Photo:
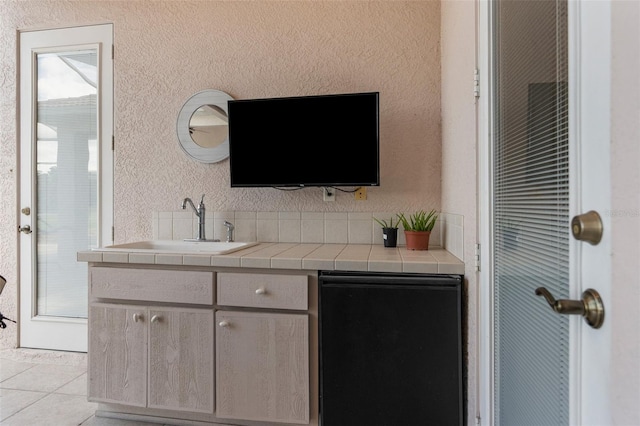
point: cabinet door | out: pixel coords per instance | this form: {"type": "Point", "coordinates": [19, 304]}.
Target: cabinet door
{"type": "Point", "coordinates": [181, 359]}
{"type": "Point", "coordinates": [117, 354]}
{"type": "Point", "coordinates": [262, 365]}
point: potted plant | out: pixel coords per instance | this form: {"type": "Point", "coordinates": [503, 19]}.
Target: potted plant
{"type": "Point", "coordinates": [389, 231]}
{"type": "Point", "coordinates": [417, 228]}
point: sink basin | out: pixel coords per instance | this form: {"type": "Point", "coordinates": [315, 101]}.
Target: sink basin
{"type": "Point", "coordinates": [179, 247]}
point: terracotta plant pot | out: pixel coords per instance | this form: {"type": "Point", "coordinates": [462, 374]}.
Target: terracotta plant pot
{"type": "Point", "coordinates": [417, 240]}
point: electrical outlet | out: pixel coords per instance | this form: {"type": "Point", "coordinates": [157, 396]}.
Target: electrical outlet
{"type": "Point", "coordinates": [361, 193]}
{"type": "Point", "coordinates": [328, 194]}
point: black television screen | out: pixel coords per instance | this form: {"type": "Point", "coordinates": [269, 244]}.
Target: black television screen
{"type": "Point", "coordinates": [324, 140]}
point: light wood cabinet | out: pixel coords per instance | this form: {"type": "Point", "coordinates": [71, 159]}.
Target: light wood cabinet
{"type": "Point", "coordinates": [117, 362]}
{"type": "Point", "coordinates": [153, 357]}
{"type": "Point", "coordinates": [181, 359]}
{"type": "Point", "coordinates": [262, 357]}
{"type": "Point", "coordinates": [262, 366]}
{"type": "Point", "coordinates": [155, 349]}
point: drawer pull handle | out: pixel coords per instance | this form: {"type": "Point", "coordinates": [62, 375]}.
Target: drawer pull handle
{"type": "Point", "coordinates": [261, 290]}
{"type": "Point", "coordinates": [137, 317]}
{"type": "Point", "coordinates": [224, 323]}
{"type": "Point", "coordinates": [156, 318]}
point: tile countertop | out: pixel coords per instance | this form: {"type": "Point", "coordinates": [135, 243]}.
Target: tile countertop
{"type": "Point", "coordinates": [338, 257]}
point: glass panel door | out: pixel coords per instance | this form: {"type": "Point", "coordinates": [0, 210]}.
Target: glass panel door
{"type": "Point", "coordinates": [530, 185]}
{"type": "Point", "coordinates": [66, 177]}
{"type": "Point", "coordinates": [66, 184]}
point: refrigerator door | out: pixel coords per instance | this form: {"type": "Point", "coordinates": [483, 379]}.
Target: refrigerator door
{"type": "Point", "coordinates": [391, 350]}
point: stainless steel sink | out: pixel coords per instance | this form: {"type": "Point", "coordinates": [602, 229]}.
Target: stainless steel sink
{"type": "Point", "coordinates": [179, 247]}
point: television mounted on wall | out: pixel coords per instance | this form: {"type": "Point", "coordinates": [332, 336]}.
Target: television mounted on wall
{"type": "Point", "coordinates": [320, 140]}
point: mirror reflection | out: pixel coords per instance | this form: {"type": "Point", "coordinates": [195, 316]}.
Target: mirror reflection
{"type": "Point", "coordinates": [203, 126]}
{"type": "Point", "coordinates": [209, 126]}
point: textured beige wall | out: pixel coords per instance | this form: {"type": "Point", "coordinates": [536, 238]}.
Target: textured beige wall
{"type": "Point", "coordinates": [262, 49]}
{"type": "Point", "coordinates": [168, 50]}
{"type": "Point", "coordinates": [625, 213]}
{"type": "Point", "coordinates": [459, 174]}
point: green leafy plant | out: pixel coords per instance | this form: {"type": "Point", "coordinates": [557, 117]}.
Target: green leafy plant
{"type": "Point", "coordinates": [419, 221]}
{"type": "Point", "coordinates": [390, 224]}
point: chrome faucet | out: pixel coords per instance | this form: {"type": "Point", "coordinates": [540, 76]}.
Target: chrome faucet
{"type": "Point", "coordinates": [230, 229]}
{"type": "Point", "coordinates": [200, 214]}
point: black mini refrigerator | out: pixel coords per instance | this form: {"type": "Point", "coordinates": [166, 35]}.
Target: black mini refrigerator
{"type": "Point", "coordinates": [391, 350]}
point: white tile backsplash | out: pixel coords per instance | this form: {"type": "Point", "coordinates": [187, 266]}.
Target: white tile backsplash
{"type": "Point", "coordinates": [246, 230]}
{"type": "Point", "coordinates": [165, 226]}
{"type": "Point", "coordinates": [312, 230]}
{"type": "Point", "coordinates": [336, 231]}
{"type": "Point", "coordinates": [304, 227]}
{"type": "Point", "coordinates": [267, 230]}
{"type": "Point", "coordinates": [289, 227]}
{"type": "Point", "coordinates": [452, 237]}
{"type": "Point", "coordinates": [360, 231]}
{"type": "Point", "coordinates": [289, 231]}
{"type": "Point", "coordinates": [184, 228]}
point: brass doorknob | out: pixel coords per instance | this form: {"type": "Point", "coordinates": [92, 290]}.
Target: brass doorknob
{"type": "Point", "coordinates": [587, 227]}
{"type": "Point", "coordinates": [590, 306]}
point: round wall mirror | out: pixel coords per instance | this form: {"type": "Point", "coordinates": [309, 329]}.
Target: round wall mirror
{"type": "Point", "coordinates": [203, 126]}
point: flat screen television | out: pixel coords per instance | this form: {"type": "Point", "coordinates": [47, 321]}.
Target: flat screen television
{"type": "Point", "coordinates": [322, 140]}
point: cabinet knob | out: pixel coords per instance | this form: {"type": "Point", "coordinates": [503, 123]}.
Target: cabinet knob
{"type": "Point", "coordinates": [261, 290]}
{"type": "Point", "coordinates": [137, 317]}
{"type": "Point", "coordinates": [224, 323]}
{"type": "Point", "coordinates": [156, 318]}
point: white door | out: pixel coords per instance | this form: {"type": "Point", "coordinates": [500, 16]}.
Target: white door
{"type": "Point", "coordinates": [590, 141]}
{"type": "Point", "coordinates": [66, 177]}
{"type": "Point", "coordinates": [546, 161]}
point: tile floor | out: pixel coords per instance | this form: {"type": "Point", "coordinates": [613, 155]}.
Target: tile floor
{"type": "Point", "coordinates": [46, 388]}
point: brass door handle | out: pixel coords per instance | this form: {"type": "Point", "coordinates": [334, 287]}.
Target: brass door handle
{"type": "Point", "coordinates": [590, 306]}
{"type": "Point", "coordinates": [25, 229]}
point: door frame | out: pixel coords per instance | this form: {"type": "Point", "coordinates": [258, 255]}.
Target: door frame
{"type": "Point", "coordinates": [589, 67]}
{"type": "Point", "coordinates": [30, 331]}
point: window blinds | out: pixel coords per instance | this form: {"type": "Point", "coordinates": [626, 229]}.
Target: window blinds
{"type": "Point", "coordinates": [530, 211]}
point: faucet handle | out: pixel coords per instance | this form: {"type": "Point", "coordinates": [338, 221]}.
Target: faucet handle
{"type": "Point", "coordinates": [202, 199]}
{"type": "Point", "coordinates": [230, 229]}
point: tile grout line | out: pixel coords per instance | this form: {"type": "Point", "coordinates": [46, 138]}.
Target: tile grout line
{"type": "Point", "coordinates": [44, 395]}
{"type": "Point", "coordinates": [16, 374]}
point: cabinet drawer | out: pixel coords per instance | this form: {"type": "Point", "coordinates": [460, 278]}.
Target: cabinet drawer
{"type": "Point", "coordinates": [263, 290]}
{"type": "Point", "coordinates": [152, 285]}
